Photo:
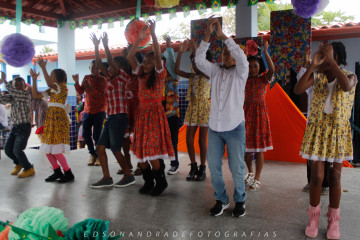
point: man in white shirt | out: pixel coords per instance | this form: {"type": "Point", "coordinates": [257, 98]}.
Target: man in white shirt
{"type": "Point", "coordinates": [227, 119]}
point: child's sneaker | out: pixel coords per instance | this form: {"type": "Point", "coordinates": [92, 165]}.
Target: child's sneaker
{"type": "Point", "coordinates": [92, 160]}
{"type": "Point", "coordinates": [104, 182]}
{"type": "Point", "coordinates": [27, 173]}
{"type": "Point", "coordinates": [125, 181]}
{"type": "Point", "coordinates": [173, 170]}
{"type": "Point", "coordinates": [219, 208]}
{"type": "Point", "coordinates": [97, 162]}
{"type": "Point", "coordinates": [239, 210]}
{"type": "Point", "coordinates": [16, 169]}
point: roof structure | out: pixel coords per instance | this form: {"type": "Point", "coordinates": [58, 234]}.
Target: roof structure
{"type": "Point", "coordinates": [321, 33]}
{"type": "Point", "coordinates": [54, 10]}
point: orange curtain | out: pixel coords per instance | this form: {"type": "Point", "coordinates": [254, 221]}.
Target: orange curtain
{"type": "Point", "coordinates": [287, 129]}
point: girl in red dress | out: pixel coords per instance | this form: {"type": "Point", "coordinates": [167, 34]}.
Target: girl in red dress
{"type": "Point", "coordinates": [257, 123]}
{"type": "Point", "coordinates": [152, 139]}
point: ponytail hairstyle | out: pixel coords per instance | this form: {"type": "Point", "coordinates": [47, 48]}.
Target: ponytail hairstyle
{"type": "Point", "coordinates": [60, 75]}
{"type": "Point", "coordinates": [339, 52]}
{"type": "Point", "coordinates": [260, 60]}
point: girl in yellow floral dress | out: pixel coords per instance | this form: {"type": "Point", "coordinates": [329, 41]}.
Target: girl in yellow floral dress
{"type": "Point", "coordinates": [56, 138]}
{"type": "Point", "coordinates": [328, 134]}
{"type": "Point", "coordinates": [197, 113]}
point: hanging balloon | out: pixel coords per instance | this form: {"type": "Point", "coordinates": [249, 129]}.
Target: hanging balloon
{"type": "Point", "coordinates": [166, 3]}
{"type": "Point", "coordinates": [132, 33]}
{"type": "Point", "coordinates": [150, 3]}
{"type": "Point", "coordinates": [17, 50]}
{"type": "Point", "coordinates": [305, 8]}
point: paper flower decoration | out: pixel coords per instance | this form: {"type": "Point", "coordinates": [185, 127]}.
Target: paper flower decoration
{"type": "Point", "coordinates": [38, 220]}
{"type": "Point", "coordinates": [322, 5]}
{"type": "Point", "coordinates": [251, 48]}
{"type": "Point", "coordinates": [132, 33]}
{"type": "Point", "coordinates": [17, 50]}
{"type": "Point", "coordinates": [305, 8]}
{"type": "Point", "coordinates": [90, 229]}
{"type": "Point", "coordinates": [166, 3]}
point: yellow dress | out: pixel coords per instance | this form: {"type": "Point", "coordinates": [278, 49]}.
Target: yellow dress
{"type": "Point", "coordinates": [56, 136]}
{"type": "Point", "coordinates": [198, 95]}
{"type": "Point", "coordinates": [328, 137]}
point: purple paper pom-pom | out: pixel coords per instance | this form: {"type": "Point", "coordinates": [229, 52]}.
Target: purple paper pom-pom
{"type": "Point", "coordinates": [17, 50]}
{"type": "Point", "coordinates": [305, 8]}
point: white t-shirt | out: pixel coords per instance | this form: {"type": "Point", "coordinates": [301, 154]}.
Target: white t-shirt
{"type": "Point", "coordinates": [3, 116]}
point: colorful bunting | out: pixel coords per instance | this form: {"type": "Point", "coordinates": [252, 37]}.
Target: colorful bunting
{"type": "Point", "coordinates": [60, 23]}
{"type": "Point", "coordinates": [158, 15]}
{"type": "Point", "coordinates": [2, 19]}
{"type": "Point", "coordinates": [13, 21]}
{"type": "Point", "coordinates": [216, 5]}
{"type": "Point", "coordinates": [172, 13]}
{"type": "Point", "coordinates": [99, 23]}
{"type": "Point", "coordinates": [270, 1]}
{"type": "Point", "coordinates": [146, 16]}
{"type": "Point", "coordinates": [201, 7]}
{"type": "Point", "coordinates": [81, 24]}
{"type": "Point", "coordinates": [132, 17]}
{"type": "Point", "coordinates": [122, 19]}
{"type": "Point", "coordinates": [40, 23]}
{"type": "Point", "coordinates": [90, 23]}
{"type": "Point", "coordinates": [186, 11]}
{"type": "Point", "coordinates": [253, 2]}
{"type": "Point", "coordinates": [110, 22]}
{"type": "Point", "coordinates": [232, 3]}
{"type": "Point", "coordinates": [72, 24]}
{"type": "Point", "coordinates": [28, 21]}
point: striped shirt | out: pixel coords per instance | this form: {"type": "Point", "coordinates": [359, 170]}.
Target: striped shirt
{"type": "Point", "coordinates": [95, 95]}
{"type": "Point", "coordinates": [20, 104]}
{"type": "Point", "coordinates": [116, 92]}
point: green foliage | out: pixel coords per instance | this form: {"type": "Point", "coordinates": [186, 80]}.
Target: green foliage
{"type": "Point", "coordinates": [46, 49]}
{"type": "Point", "coordinates": [264, 13]}
{"type": "Point", "coordinates": [327, 18]}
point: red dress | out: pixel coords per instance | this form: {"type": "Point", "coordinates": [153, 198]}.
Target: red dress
{"type": "Point", "coordinates": [152, 138]}
{"type": "Point", "coordinates": [257, 122]}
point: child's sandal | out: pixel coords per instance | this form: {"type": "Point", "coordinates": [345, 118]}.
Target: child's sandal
{"type": "Point", "coordinates": [254, 186]}
{"type": "Point", "coordinates": [249, 179]}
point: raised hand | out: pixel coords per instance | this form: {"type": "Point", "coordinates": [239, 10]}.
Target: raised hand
{"type": "Point", "coordinates": [105, 39]}
{"type": "Point", "coordinates": [211, 24]}
{"type": "Point", "coordinates": [42, 63]}
{"type": "Point", "coordinates": [318, 58]}
{"type": "Point", "coordinates": [184, 46]}
{"type": "Point", "coordinates": [167, 38]}
{"type": "Point", "coordinates": [143, 34]}
{"type": "Point", "coordinates": [328, 52]}
{"type": "Point", "coordinates": [76, 78]}
{"type": "Point", "coordinates": [94, 39]}
{"type": "Point", "coordinates": [152, 25]}
{"type": "Point", "coordinates": [307, 58]}
{"type": "Point", "coordinates": [3, 77]}
{"type": "Point", "coordinates": [34, 75]}
{"type": "Point", "coordinates": [192, 45]}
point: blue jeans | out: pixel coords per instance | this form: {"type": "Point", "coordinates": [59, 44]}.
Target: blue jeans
{"type": "Point", "coordinates": [16, 143]}
{"type": "Point", "coordinates": [113, 132]}
{"type": "Point", "coordinates": [92, 126]}
{"type": "Point", "coordinates": [235, 143]}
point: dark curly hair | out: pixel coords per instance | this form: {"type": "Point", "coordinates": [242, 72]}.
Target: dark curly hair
{"type": "Point", "coordinates": [339, 52]}
{"type": "Point", "coordinates": [260, 60]}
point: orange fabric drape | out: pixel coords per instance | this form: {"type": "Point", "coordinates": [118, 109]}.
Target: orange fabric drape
{"type": "Point", "coordinates": [287, 129]}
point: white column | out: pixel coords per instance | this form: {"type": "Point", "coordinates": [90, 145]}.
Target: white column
{"type": "Point", "coordinates": [66, 54]}
{"type": "Point", "coordinates": [246, 19]}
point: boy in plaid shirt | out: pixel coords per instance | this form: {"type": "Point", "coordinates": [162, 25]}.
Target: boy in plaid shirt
{"type": "Point", "coordinates": [20, 100]}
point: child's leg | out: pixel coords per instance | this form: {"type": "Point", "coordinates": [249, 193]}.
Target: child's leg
{"type": "Point", "coordinates": [53, 161]}
{"type": "Point", "coordinates": [158, 173]}
{"type": "Point", "coordinates": [62, 160]}
{"type": "Point", "coordinates": [122, 162]}
{"type": "Point", "coordinates": [101, 151]}
{"type": "Point", "coordinates": [335, 185]}
{"type": "Point", "coordinates": [248, 161]}
{"type": "Point", "coordinates": [325, 183]}
{"type": "Point", "coordinates": [317, 176]}
{"type": "Point", "coordinates": [202, 144]}
{"type": "Point", "coordinates": [143, 165]}
{"type": "Point", "coordinates": [155, 164]}
{"type": "Point", "coordinates": [259, 164]}
{"type": "Point", "coordinates": [126, 149]}
{"type": "Point", "coordinates": [190, 135]}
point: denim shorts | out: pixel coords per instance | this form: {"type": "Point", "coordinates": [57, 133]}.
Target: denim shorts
{"type": "Point", "coordinates": [112, 135]}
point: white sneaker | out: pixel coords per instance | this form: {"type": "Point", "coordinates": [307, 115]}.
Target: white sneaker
{"type": "Point", "coordinates": [173, 170]}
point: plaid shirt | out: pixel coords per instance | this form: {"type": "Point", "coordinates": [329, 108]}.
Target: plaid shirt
{"type": "Point", "coordinates": [39, 106]}
{"type": "Point", "coordinates": [20, 104]}
{"type": "Point", "coordinates": [116, 92]}
{"type": "Point", "coordinates": [95, 96]}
